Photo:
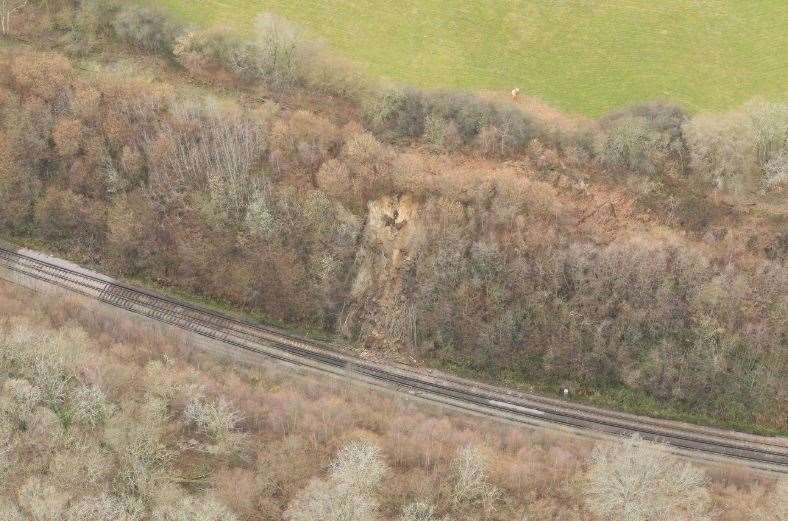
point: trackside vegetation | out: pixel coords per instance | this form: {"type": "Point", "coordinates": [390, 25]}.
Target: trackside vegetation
{"type": "Point", "coordinates": [105, 418]}
{"type": "Point", "coordinates": [638, 258]}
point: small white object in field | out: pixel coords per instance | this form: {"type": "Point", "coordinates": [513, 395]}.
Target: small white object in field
{"type": "Point", "coordinates": [566, 392]}
{"type": "Point", "coordinates": [515, 93]}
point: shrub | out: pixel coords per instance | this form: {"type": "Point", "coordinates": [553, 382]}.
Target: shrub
{"type": "Point", "coordinates": [637, 481]}
{"type": "Point", "coordinates": [213, 52]}
{"type": "Point", "coordinates": [85, 102]}
{"type": "Point", "coordinates": [105, 507]}
{"type": "Point", "coordinates": [42, 75]}
{"type": "Point", "coordinates": [443, 135]}
{"type": "Point", "coordinates": [776, 507]}
{"type": "Point", "coordinates": [335, 178]}
{"type": "Point", "coordinates": [281, 57]}
{"type": "Point", "coordinates": [472, 478]}
{"type": "Point", "coordinates": [743, 149]}
{"type": "Point", "coordinates": [95, 17]}
{"type": "Point", "coordinates": [331, 74]}
{"type": "Point", "coordinates": [500, 130]}
{"type": "Point", "coordinates": [190, 508]}
{"type": "Point", "coordinates": [152, 30]}
{"type": "Point", "coordinates": [775, 172]}
{"type": "Point", "coordinates": [645, 139]}
{"type": "Point", "coordinates": [470, 113]}
{"type": "Point", "coordinates": [627, 144]}
{"type": "Point", "coordinates": [9, 511]}
{"type": "Point", "coordinates": [363, 172]}
{"type": "Point", "coordinates": [28, 139]}
{"type": "Point", "coordinates": [347, 494]}
{"type": "Point", "coordinates": [262, 219]}
{"type": "Point", "coordinates": [133, 244]}
{"type": "Point", "coordinates": [6, 435]}
{"type": "Point", "coordinates": [359, 465]}
{"type": "Point", "coordinates": [50, 372]}
{"type": "Point", "coordinates": [770, 128]}
{"type": "Point", "coordinates": [62, 215]}
{"type": "Point", "coordinates": [219, 419]}
{"type": "Point", "coordinates": [722, 150]}
{"type": "Point", "coordinates": [303, 142]}
{"type": "Point", "coordinates": [89, 406]}
{"type": "Point", "coordinates": [396, 113]}
{"type": "Point", "coordinates": [770, 132]}
{"type": "Point", "coordinates": [281, 52]}
{"type": "Point", "coordinates": [144, 465]}
{"type": "Point", "coordinates": [19, 399]}
{"type": "Point", "coordinates": [450, 119]}
{"type": "Point", "coordinates": [67, 135]}
{"type": "Point", "coordinates": [419, 511]}
{"type": "Point", "coordinates": [85, 463]}
{"type": "Point", "coordinates": [321, 500]}
{"type": "Point", "coordinates": [19, 190]}
{"type": "Point", "coordinates": [41, 500]}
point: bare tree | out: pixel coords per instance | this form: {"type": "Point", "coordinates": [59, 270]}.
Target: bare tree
{"type": "Point", "coordinates": [8, 8]}
{"type": "Point", "coordinates": [42, 500]}
{"type": "Point", "coordinates": [359, 464]}
{"type": "Point", "coordinates": [220, 421]}
{"type": "Point", "coordinates": [218, 159]}
{"type": "Point", "coordinates": [82, 463]}
{"type": "Point", "coordinates": [105, 507]}
{"type": "Point", "coordinates": [472, 477]}
{"type": "Point", "coordinates": [46, 363]}
{"type": "Point", "coordinates": [144, 466]}
{"type": "Point", "coordinates": [281, 51]}
{"type": "Point", "coordinates": [195, 509]}
{"type": "Point", "coordinates": [89, 405]}
{"type": "Point", "coordinates": [348, 493]}
{"type": "Point", "coordinates": [420, 511]}
{"type": "Point", "coordinates": [18, 399]}
{"type": "Point", "coordinates": [9, 511]}
{"type": "Point", "coordinates": [776, 507]}
{"type": "Point", "coordinates": [329, 501]}
{"type": "Point", "coordinates": [635, 480]}
{"type": "Point", "coordinates": [722, 149]}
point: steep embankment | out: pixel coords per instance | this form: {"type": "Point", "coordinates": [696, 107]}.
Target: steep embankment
{"type": "Point", "coordinates": [635, 259]}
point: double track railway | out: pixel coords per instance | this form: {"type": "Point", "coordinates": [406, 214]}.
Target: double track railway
{"type": "Point", "coordinates": [756, 451]}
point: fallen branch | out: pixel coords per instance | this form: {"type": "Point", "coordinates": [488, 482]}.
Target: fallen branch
{"type": "Point", "coordinates": [596, 210]}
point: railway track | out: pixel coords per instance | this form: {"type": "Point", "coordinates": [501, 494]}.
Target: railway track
{"type": "Point", "coordinates": [769, 454]}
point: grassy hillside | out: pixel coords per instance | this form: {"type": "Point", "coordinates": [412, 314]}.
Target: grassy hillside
{"type": "Point", "coordinates": [588, 56]}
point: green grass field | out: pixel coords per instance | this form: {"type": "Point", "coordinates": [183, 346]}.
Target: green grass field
{"type": "Point", "coordinates": [585, 56]}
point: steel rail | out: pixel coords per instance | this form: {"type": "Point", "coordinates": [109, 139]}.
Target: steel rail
{"type": "Point", "coordinates": [764, 453]}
